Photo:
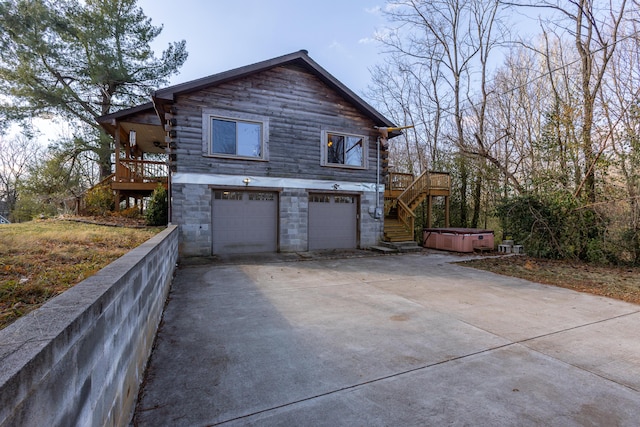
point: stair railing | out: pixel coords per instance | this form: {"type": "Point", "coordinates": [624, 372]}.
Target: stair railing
{"type": "Point", "coordinates": [105, 180]}
{"type": "Point", "coordinates": [419, 186]}
{"type": "Point", "coordinates": [406, 216]}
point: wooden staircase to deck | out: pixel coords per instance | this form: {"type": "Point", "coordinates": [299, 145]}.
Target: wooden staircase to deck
{"type": "Point", "coordinates": [403, 194]}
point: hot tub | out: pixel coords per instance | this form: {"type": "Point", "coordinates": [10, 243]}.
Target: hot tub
{"type": "Point", "coordinates": [458, 239]}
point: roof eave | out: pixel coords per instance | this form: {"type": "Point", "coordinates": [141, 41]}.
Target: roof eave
{"type": "Point", "coordinates": [166, 96]}
{"type": "Point", "coordinates": [109, 121]}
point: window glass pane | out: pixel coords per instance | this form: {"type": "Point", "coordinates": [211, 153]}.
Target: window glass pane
{"type": "Point", "coordinates": [345, 149]}
{"type": "Point", "coordinates": [228, 195]}
{"type": "Point", "coordinates": [344, 199]}
{"type": "Point", "coordinates": [318, 198]}
{"type": "Point", "coordinates": [265, 197]}
{"type": "Point", "coordinates": [335, 148]}
{"type": "Point", "coordinates": [223, 136]}
{"type": "Point", "coordinates": [353, 152]}
{"type": "Point", "coordinates": [249, 141]}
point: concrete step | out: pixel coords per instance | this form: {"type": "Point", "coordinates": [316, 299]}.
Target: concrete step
{"type": "Point", "coordinates": [384, 249]}
{"type": "Point", "coordinates": [403, 246]}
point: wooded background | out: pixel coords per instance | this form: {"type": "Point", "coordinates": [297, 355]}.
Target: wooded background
{"type": "Point", "coordinates": [537, 121]}
{"type": "Point", "coordinates": [533, 107]}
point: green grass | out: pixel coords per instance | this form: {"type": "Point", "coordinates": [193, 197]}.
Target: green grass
{"type": "Point", "coordinates": [41, 259]}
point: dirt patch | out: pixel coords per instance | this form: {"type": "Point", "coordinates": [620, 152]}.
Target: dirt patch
{"type": "Point", "coordinates": [614, 282]}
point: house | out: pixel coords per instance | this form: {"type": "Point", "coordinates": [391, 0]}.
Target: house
{"type": "Point", "coordinates": [274, 156]}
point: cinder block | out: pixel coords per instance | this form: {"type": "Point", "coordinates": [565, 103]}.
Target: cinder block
{"type": "Point", "coordinates": [504, 249]}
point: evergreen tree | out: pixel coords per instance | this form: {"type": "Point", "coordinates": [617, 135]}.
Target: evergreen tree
{"type": "Point", "coordinates": [79, 60]}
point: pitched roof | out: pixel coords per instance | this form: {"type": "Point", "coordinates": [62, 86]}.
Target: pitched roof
{"type": "Point", "coordinates": [164, 97]}
{"type": "Point", "coordinates": [123, 114]}
{"type": "Point", "coordinates": [301, 58]}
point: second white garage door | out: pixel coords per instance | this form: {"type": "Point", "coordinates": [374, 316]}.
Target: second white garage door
{"type": "Point", "coordinates": [244, 222]}
{"type": "Point", "coordinates": [333, 221]}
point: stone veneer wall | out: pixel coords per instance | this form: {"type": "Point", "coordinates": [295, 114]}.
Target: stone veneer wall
{"type": "Point", "coordinates": [191, 210]}
{"type": "Point", "coordinates": [371, 229]}
{"type": "Point", "coordinates": [294, 220]}
{"type": "Point", "coordinates": [79, 359]}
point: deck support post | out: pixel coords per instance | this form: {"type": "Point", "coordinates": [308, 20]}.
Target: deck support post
{"type": "Point", "coordinates": [429, 217]}
{"type": "Point", "coordinates": [446, 211]}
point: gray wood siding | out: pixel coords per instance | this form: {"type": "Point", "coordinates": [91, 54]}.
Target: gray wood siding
{"type": "Point", "coordinates": [299, 106]}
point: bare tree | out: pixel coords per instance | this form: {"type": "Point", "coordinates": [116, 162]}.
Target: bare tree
{"type": "Point", "coordinates": [16, 157]}
{"type": "Point", "coordinates": [408, 94]}
{"type": "Point", "coordinates": [594, 27]}
{"type": "Point", "coordinates": [457, 36]}
{"type": "Point", "coordinates": [620, 102]}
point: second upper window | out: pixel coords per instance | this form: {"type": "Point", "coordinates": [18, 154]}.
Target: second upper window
{"type": "Point", "coordinates": [344, 150]}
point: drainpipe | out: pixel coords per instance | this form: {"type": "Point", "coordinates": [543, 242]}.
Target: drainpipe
{"type": "Point", "coordinates": [377, 214]}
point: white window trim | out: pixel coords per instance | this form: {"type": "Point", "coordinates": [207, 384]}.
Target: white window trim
{"type": "Point", "coordinates": [208, 114]}
{"type": "Point", "coordinates": [323, 150]}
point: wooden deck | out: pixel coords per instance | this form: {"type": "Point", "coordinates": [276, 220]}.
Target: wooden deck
{"type": "Point", "coordinates": [439, 183]}
{"type": "Point", "coordinates": [137, 179]}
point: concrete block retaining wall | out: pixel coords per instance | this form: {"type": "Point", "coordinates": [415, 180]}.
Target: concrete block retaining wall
{"type": "Point", "coordinates": [79, 359]}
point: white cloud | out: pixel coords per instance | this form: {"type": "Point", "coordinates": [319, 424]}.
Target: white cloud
{"type": "Point", "coordinates": [375, 10]}
{"type": "Point", "coordinates": [390, 7]}
{"type": "Point", "coordinates": [336, 45]}
{"type": "Point", "coordinates": [366, 40]}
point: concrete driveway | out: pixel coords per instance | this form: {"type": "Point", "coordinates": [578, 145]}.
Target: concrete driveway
{"type": "Point", "coordinates": [408, 340]}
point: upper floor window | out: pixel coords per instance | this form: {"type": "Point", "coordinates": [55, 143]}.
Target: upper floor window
{"type": "Point", "coordinates": [236, 138]}
{"type": "Point", "coordinates": [344, 150]}
{"type": "Point", "coordinates": [243, 137]}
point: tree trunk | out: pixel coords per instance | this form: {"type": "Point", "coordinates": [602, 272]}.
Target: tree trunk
{"type": "Point", "coordinates": [477, 193]}
{"type": "Point", "coordinates": [464, 178]}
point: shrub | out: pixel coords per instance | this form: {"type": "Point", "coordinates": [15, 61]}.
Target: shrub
{"type": "Point", "coordinates": [158, 210]}
{"type": "Point", "coordinates": [555, 226]}
{"type": "Point", "coordinates": [99, 200]}
{"type": "Point", "coordinates": [132, 212]}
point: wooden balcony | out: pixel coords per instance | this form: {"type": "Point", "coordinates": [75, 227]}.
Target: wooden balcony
{"type": "Point", "coordinates": [136, 179]}
{"type": "Point", "coordinates": [139, 176]}
{"type": "Point", "coordinates": [439, 183]}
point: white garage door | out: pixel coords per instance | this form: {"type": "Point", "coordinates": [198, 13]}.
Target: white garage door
{"type": "Point", "coordinates": [333, 221]}
{"type": "Point", "coordinates": [244, 222]}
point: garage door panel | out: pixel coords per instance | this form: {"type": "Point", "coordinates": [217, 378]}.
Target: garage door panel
{"type": "Point", "coordinates": [333, 221]}
{"type": "Point", "coordinates": [244, 222]}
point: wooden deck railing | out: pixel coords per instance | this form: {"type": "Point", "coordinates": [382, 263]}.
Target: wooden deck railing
{"type": "Point", "coordinates": [401, 181]}
{"type": "Point", "coordinates": [439, 181]}
{"type": "Point", "coordinates": [398, 181]}
{"type": "Point", "coordinates": [419, 186]}
{"type": "Point", "coordinates": [141, 171]}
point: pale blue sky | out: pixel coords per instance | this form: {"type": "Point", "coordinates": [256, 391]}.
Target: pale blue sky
{"type": "Point", "coordinates": [225, 34]}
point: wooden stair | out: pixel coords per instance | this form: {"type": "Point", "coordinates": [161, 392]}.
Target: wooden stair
{"type": "Point", "coordinates": [403, 194]}
{"type": "Point", "coordinates": [395, 231]}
